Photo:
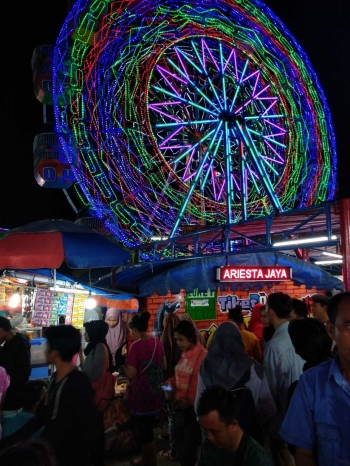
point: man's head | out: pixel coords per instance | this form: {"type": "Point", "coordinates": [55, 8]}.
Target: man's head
{"type": "Point", "coordinates": [338, 326]}
{"type": "Point", "coordinates": [319, 303]}
{"type": "Point", "coordinates": [5, 329]}
{"type": "Point", "coordinates": [279, 306]}
{"type": "Point", "coordinates": [217, 413]}
{"type": "Point", "coordinates": [310, 340]}
{"type": "Point", "coordinates": [63, 342]}
{"type": "Point", "coordinates": [299, 310]}
{"type": "Point", "coordinates": [236, 315]}
{"type": "Point", "coordinates": [31, 394]}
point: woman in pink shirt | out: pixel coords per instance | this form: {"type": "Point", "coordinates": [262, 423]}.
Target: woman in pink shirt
{"type": "Point", "coordinates": [185, 438]}
{"type": "Point", "coordinates": [144, 369]}
{"type": "Point", "coordinates": [4, 385]}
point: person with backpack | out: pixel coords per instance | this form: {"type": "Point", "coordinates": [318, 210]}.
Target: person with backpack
{"type": "Point", "coordinates": [228, 365]}
{"type": "Point", "coordinates": [98, 363]}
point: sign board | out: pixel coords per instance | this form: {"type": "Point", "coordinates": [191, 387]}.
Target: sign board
{"type": "Point", "coordinates": [201, 305]}
{"type": "Point", "coordinates": [2, 295]}
{"type": "Point", "coordinates": [253, 274]}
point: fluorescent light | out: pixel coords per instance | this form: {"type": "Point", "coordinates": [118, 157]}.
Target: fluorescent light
{"type": "Point", "coordinates": [159, 238]}
{"type": "Point", "coordinates": [69, 290]}
{"type": "Point", "coordinates": [314, 239]}
{"type": "Point", "coordinates": [334, 261]}
{"type": "Point", "coordinates": [331, 254]}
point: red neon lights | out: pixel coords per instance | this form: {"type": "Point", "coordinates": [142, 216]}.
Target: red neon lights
{"type": "Point", "coordinates": [252, 274]}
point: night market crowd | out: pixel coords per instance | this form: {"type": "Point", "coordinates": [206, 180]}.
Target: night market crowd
{"type": "Point", "coordinates": [275, 392]}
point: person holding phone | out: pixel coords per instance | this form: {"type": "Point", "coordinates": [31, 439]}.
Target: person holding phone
{"type": "Point", "coordinates": [144, 369]}
{"type": "Point", "coordinates": [184, 430]}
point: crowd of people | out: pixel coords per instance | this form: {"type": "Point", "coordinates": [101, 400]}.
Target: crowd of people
{"type": "Point", "coordinates": [276, 392]}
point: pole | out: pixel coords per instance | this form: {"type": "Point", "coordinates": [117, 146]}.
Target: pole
{"type": "Point", "coordinates": [344, 205]}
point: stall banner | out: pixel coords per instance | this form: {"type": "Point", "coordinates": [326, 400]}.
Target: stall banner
{"type": "Point", "coordinates": [2, 295]}
{"type": "Point", "coordinates": [78, 311]}
{"type": "Point", "coordinates": [49, 305]}
{"type": "Point", "coordinates": [201, 306]}
{"type": "Point", "coordinates": [254, 273]}
{"type": "Point", "coordinates": [230, 302]}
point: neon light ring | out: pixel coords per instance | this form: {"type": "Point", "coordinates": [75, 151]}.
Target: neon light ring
{"type": "Point", "coordinates": [193, 112]}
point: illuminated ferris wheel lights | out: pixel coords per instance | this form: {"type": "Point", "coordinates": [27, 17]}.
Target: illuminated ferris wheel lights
{"type": "Point", "coordinates": [167, 95]}
{"type": "Point", "coordinates": [191, 62]}
{"type": "Point", "coordinates": [163, 71]}
{"type": "Point", "coordinates": [190, 81]}
{"type": "Point", "coordinates": [186, 123]}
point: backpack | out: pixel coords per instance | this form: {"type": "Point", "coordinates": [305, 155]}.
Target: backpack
{"type": "Point", "coordinates": [104, 386]}
{"type": "Point", "coordinates": [247, 415]}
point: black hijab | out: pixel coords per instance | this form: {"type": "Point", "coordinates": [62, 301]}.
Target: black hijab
{"type": "Point", "coordinates": [97, 331]}
{"type": "Point", "coordinates": [226, 361]}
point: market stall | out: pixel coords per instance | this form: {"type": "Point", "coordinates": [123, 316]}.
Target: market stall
{"type": "Point", "coordinates": [42, 303]}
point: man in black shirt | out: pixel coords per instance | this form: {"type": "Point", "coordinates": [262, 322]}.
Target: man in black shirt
{"type": "Point", "coordinates": [15, 358]}
{"type": "Point", "coordinates": [72, 425]}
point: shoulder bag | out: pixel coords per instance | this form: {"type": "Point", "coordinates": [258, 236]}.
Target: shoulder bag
{"type": "Point", "coordinates": [127, 391]}
{"type": "Point", "coordinates": [104, 386]}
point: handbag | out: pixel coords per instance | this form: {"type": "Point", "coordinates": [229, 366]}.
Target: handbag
{"type": "Point", "coordinates": [104, 386]}
{"type": "Point", "coordinates": [127, 390]}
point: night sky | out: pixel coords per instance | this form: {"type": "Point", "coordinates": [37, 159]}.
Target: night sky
{"type": "Point", "coordinates": [321, 28]}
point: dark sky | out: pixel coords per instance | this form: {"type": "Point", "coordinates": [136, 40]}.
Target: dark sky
{"type": "Point", "coordinates": [322, 28]}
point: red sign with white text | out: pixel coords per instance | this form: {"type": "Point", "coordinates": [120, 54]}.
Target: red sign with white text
{"type": "Point", "coordinates": [253, 274]}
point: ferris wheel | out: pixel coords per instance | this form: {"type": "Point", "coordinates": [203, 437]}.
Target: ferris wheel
{"type": "Point", "coordinates": [189, 113]}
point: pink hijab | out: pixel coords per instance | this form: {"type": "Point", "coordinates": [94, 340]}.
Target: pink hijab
{"type": "Point", "coordinates": [116, 336]}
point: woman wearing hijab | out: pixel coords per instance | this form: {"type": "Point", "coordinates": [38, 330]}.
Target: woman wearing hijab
{"type": "Point", "coordinates": [171, 350]}
{"type": "Point", "coordinates": [228, 365]}
{"type": "Point", "coordinates": [4, 385]}
{"type": "Point", "coordinates": [255, 325]}
{"type": "Point", "coordinates": [98, 362]}
{"type": "Point", "coordinates": [200, 338]}
{"type": "Point", "coordinates": [116, 337]}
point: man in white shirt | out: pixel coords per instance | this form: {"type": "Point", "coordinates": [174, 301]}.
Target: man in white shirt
{"type": "Point", "coordinates": [318, 304]}
{"type": "Point", "coordinates": [282, 367]}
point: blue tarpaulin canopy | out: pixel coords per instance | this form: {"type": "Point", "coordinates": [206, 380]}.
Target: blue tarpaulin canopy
{"type": "Point", "coordinates": [52, 243]}
{"type": "Point", "coordinates": [200, 273]}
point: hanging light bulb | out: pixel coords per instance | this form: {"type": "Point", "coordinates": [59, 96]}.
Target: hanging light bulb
{"type": "Point", "coordinates": [15, 299]}
{"type": "Point", "coordinates": [90, 302]}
